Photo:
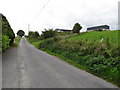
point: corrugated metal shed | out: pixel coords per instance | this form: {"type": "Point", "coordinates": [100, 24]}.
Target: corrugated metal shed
{"type": "Point", "coordinates": [99, 27]}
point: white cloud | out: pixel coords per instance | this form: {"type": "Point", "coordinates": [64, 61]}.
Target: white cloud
{"type": "Point", "coordinates": [59, 13]}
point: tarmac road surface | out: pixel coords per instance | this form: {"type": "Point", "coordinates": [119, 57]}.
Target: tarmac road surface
{"type": "Point", "coordinates": [27, 67]}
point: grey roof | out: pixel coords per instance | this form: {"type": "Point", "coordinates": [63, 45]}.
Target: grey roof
{"type": "Point", "coordinates": [98, 27]}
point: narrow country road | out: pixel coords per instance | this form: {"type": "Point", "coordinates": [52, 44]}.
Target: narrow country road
{"type": "Point", "coordinates": [27, 67]}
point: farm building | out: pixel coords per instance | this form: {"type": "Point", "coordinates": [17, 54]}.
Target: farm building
{"type": "Point", "coordinates": [63, 30]}
{"type": "Point", "coordinates": [102, 27]}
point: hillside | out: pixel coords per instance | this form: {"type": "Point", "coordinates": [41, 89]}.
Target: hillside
{"type": "Point", "coordinates": [97, 36]}
{"type": "Point", "coordinates": [95, 52]}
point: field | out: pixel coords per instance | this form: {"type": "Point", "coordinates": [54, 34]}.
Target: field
{"type": "Point", "coordinates": [97, 36]}
{"type": "Point", "coordinates": [95, 52]}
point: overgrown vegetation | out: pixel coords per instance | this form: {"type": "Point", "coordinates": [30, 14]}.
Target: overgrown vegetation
{"type": "Point", "coordinates": [95, 52]}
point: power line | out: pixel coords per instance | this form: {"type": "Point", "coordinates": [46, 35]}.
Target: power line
{"type": "Point", "coordinates": [42, 9]}
{"type": "Point", "coordinates": [38, 14]}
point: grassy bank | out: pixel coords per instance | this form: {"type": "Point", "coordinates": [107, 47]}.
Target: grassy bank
{"type": "Point", "coordinates": [16, 41]}
{"type": "Point", "coordinates": [95, 52]}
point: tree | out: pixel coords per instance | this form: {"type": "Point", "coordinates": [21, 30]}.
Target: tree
{"type": "Point", "coordinates": [36, 34]}
{"type": "Point", "coordinates": [77, 27]}
{"type": "Point", "coordinates": [20, 33]}
{"type": "Point", "coordinates": [32, 34]}
{"type": "Point", "coordinates": [48, 33]}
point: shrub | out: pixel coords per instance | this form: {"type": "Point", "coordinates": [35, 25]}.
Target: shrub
{"type": "Point", "coordinates": [5, 42]}
{"type": "Point", "coordinates": [48, 33]}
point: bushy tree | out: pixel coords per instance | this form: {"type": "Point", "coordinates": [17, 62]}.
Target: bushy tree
{"type": "Point", "coordinates": [48, 33]}
{"type": "Point", "coordinates": [20, 33]}
{"type": "Point", "coordinates": [77, 27]}
{"type": "Point", "coordinates": [32, 34]}
{"type": "Point", "coordinates": [36, 34]}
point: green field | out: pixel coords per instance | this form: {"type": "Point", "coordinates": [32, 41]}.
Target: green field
{"type": "Point", "coordinates": [97, 36]}
{"type": "Point", "coordinates": [95, 52]}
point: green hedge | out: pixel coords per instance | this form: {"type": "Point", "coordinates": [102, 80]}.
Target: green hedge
{"type": "Point", "coordinates": [5, 42]}
{"type": "Point", "coordinates": [7, 30]}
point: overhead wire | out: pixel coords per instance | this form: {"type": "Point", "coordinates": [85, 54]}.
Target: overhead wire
{"type": "Point", "coordinates": [41, 10]}
{"type": "Point", "coordinates": [38, 14]}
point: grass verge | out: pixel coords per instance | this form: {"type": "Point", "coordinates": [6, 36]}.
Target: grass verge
{"type": "Point", "coordinates": [16, 41]}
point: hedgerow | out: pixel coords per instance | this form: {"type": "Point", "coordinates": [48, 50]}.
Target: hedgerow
{"type": "Point", "coordinates": [8, 35]}
{"type": "Point", "coordinates": [7, 30]}
{"type": "Point", "coordinates": [5, 42]}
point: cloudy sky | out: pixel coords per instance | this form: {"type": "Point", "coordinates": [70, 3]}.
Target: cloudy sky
{"type": "Point", "coordinates": [63, 14]}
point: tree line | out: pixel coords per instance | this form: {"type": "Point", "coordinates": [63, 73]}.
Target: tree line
{"type": "Point", "coordinates": [51, 33]}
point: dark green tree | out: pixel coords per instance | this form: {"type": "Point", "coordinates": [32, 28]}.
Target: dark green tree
{"type": "Point", "coordinates": [33, 35]}
{"type": "Point", "coordinates": [77, 27]}
{"type": "Point", "coordinates": [36, 34]}
{"type": "Point", "coordinates": [20, 33]}
{"type": "Point", "coordinates": [48, 33]}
